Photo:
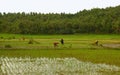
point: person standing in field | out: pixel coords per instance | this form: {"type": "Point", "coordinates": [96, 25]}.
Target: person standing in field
{"type": "Point", "coordinates": [62, 41]}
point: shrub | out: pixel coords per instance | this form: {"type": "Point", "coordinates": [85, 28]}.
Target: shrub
{"type": "Point", "coordinates": [23, 38]}
{"type": "Point", "coordinates": [1, 37]}
{"type": "Point", "coordinates": [31, 41]}
{"type": "Point", "coordinates": [13, 37]}
{"type": "Point", "coordinates": [8, 46]}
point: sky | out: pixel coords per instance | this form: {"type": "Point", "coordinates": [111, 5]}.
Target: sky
{"type": "Point", "coordinates": [54, 6]}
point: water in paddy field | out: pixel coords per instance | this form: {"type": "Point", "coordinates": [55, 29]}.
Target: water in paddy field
{"type": "Point", "coordinates": [53, 66]}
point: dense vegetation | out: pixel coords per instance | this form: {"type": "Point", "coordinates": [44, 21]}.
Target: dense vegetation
{"type": "Point", "coordinates": [87, 21]}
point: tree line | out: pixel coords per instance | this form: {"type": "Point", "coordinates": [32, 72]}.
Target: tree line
{"type": "Point", "coordinates": [95, 21]}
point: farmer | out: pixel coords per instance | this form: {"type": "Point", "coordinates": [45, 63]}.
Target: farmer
{"type": "Point", "coordinates": [62, 41]}
{"type": "Point", "coordinates": [55, 44]}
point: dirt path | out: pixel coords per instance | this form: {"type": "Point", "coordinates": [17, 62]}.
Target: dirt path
{"type": "Point", "coordinates": [111, 45]}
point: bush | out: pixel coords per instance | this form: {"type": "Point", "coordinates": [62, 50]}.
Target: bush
{"type": "Point", "coordinates": [31, 41]}
{"type": "Point", "coordinates": [23, 38]}
{"type": "Point", "coordinates": [13, 37]}
{"type": "Point", "coordinates": [8, 46]}
{"type": "Point", "coordinates": [1, 37]}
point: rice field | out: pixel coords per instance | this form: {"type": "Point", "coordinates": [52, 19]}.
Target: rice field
{"type": "Point", "coordinates": [53, 66]}
{"type": "Point", "coordinates": [78, 56]}
{"type": "Point", "coordinates": [46, 42]}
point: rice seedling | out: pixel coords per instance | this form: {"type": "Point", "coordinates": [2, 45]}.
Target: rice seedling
{"type": "Point", "coordinates": [52, 66]}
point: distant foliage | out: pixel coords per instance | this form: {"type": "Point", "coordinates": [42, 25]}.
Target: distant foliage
{"type": "Point", "coordinates": [87, 21]}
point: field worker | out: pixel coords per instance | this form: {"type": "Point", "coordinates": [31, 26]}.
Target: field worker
{"type": "Point", "coordinates": [55, 44]}
{"type": "Point", "coordinates": [62, 41]}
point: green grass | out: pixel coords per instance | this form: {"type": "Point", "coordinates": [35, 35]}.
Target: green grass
{"type": "Point", "coordinates": [78, 46]}
{"type": "Point", "coordinates": [76, 36]}
{"type": "Point", "coordinates": [96, 56]}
